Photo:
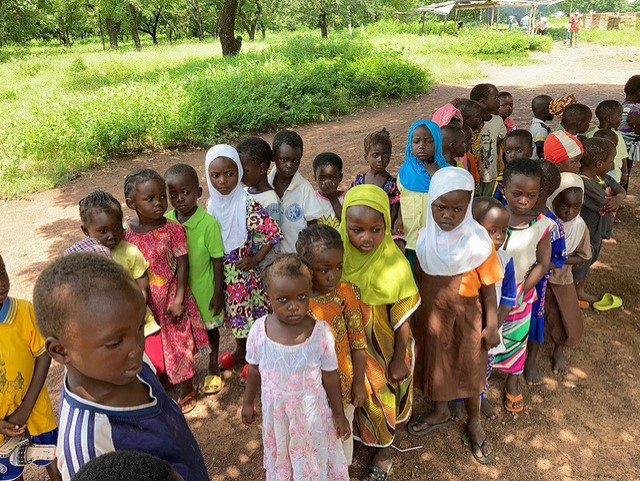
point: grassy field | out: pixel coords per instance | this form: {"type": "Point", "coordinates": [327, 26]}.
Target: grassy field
{"type": "Point", "coordinates": [66, 110]}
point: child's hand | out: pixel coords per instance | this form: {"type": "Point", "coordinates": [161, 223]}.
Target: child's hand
{"type": "Point", "coordinates": [247, 263]}
{"type": "Point", "coordinates": [613, 203]}
{"type": "Point", "coordinates": [358, 394]}
{"type": "Point", "coordinates": [217, 303]}
{"type": "Point", "coordinates": [175, 310]}
{"type": "Point", "coordinates": [10, 429]}
{"type": "Point", "coordinates": [342, 426]}
{"type": "Point", "coordinates": [248, 414]}
{"type": "Point", "coordinates": [330, 189]}
{"type": "Point", "coordinates": [398, 370]}
{"type": "Point", "coordinates": [398, 227]}
{"type": "Point", "coordinates": [490, 338]}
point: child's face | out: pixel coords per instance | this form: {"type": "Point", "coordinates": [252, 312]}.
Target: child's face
{"type": "Point", "coordinates": [326, 266]}
{"type": "Point", "coordinates": [223, 173]}
{"type": "Point", "coordinates": [104, 339]}
{"type": "Point", "coordinates": [567, 204]}
{"type": "Point", "coordinates": [149, 199]}
{"type": "Point", "coordinates": [516, 148]}
{"type": "Point", "coordinates": [448, 210]}
{"type": "Point", "coordinates": [422, 146]}
{"type": "Point", "coordinates": [106, 227]}
{"type": "Point", "coordinates": [287, 160]}
{"type": "Point", "coordinates": [496, 222]}
{"type": "Point", "coordinates": [378, 157]}
{"type": "Point", "coordinates": [183, 193]}
{"type": "Point", "coordinates": [365, 228]}
{"type": "Point", "coordinates": [328, 178]}
{"type": "Point", "coordinates": [583, 124]}
{"type": "Point", "coordinates": [615, 120]}
{"type": "Point", "coordinates": [606, 165]}
{"type": "Point", "coordinates": [289, 298]}
{"type": "Point", "coordinates": [506, 107]}
{"type": "Point", "coordinates": [572, 165]}
{"type": "Point", "coordinates": [5, 284]}
{"type": "Point", "coordinates": [475, 121]}
{"type": "Point", "coordinates": [492, 102]}
{"type": "Point", "coordinates": [454, 144]}
{"type": "Point", "coordinates": [634, 122]}
{"type": "Point", "coordinates": [522, 192]}
{"type": "Point", "coordinates": [253, 172]}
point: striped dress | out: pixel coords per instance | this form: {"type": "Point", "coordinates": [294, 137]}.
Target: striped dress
{"type": "Point", "coordinates": [521, 243]}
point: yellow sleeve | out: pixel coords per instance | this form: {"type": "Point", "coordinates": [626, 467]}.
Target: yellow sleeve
{"type": "Point", "coordinates": [138, 265]}
{"type": "Point", "coordinates": [30, 330]}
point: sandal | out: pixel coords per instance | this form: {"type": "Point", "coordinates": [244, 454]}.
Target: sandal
{"type": "Point", "coordinates": [375, 473]}
{"type": "Point", "coordinates": [484, 459]}
{"type": "Point", "coordinates": [188, 402]}
{"type": "Point", "coordinates": [608, 301]}
{"type": "Point", "coordinates": [510, 401]}
{"type": "Point", "coordinates": [212, 384]}
{"type": "Point", "coordinates": [243, 376]}
{"type": "Point", "coordinates": [226, 360]}
{"type": "Point", "coordinates": [411, 427]}
{"type": "Point", "coordinates": [584, 304]}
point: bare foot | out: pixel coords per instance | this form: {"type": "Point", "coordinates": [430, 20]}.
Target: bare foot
{"type": "Point", "coordinates": [532, 373]}
{"type": "Point", "coordinates": [583, 296]}
{"type": "Point", "coordinates": [560, 365]}
{"type": "Point", "coordinates": [455, 408]}
{"type": "Point", "coordinates": [489, 409]}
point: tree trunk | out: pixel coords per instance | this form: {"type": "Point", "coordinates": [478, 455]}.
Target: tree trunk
{"type": "Point", "coordinates": [323, 24]}
{"type": "Point", "coordinates": [104, 47]}
{"type": "Point", "coordinates": [226, 28]}
{"type": "Point", "coordinates": [263, 30]}
{"type": "Point", "coordinates": [134, 27]}
{"type": "Point", "coordinates": [112, 28]}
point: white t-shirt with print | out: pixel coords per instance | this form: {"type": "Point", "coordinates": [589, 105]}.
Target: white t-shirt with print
{"type": "Point", "coordinates": [493, 130]}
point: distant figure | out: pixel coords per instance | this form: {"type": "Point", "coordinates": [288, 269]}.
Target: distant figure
{"type": "Point", "coordinates": [574, 27]}
{"type": "Point", "coordinates": [512, 21]}
{"type": "Point", "coordinates": [524, 23]}
{"type": "Point", "coordinates": [543, 24]}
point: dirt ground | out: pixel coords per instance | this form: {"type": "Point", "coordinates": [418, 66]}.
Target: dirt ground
{"type": "Point", "coordinates": [580, 426]}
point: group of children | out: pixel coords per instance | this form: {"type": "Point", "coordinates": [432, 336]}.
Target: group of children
{"type": "Point", "coordinates": [459, 266]}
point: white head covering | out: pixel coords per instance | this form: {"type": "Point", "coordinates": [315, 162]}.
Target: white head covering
{"type": "Point", "coordinates": [229, 210]}
{"type": "Point", "coordinates": [460, 250]}
{"type": "Point", "coordinates": [575, 228]}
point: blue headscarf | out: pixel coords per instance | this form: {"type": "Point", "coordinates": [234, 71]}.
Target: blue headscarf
{"type": "Point", "coordinates": [412, 173]}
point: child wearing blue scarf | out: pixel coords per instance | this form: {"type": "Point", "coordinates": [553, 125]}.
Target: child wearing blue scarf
{"type": "Point", "coordinates": [423, 157]}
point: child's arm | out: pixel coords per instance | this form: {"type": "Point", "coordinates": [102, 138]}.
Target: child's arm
{"type": "Point", "coordinates": [176, 309]}
{"type": "Point", "coordinates": [19, 416]}
{"type": "Point", "coordinates": [249, 262]}
{"type": "Point", "coordinates": [143, 284]}
{"type": "Point", "coordinates": [217, 301]}
{"type": "Point", "coordinates": [395, 214]}
{"type": "Point", "coordinates": [490, 335]}
{"type": "Point", "coordinates": [250, 391]}
{"type": "Point", "coordinates": [359, 391]}
{"type": "Point", "coordinates": [397, 368]}
{"type": "Point", "coordinates": [503, 312]}
{"type": "Point", "coordinates": [615, 202]}
{"type": "Point", "coordinates": [331, 384]}
{"type": "Point", "coordinates": [543, 256]}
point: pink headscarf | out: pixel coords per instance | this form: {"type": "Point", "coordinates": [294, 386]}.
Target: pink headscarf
{"type": "Point", "coordinates": [444, 114]}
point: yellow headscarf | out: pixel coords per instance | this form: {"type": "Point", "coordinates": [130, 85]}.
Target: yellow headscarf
{"type": "Point", "coordinates": [384, 275]}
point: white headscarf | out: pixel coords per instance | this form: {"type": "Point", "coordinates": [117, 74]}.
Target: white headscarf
{"type": "Point", "coordinates": [460, 250]}
{"type": "Point", "coordinates": [575, 228]}
{"type": "Point", "coordinates": [229, 210]}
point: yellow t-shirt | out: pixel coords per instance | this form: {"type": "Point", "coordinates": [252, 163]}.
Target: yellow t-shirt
{"type": "Point", "coordinates": [413, 207]}
{"type": "Point", "coordinates": [20, 344]}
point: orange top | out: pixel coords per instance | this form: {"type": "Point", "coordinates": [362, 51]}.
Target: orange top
{"type": "Point", "coordinates": [489, 272]}
{"type": "Point", "coordinates": [343, 310]}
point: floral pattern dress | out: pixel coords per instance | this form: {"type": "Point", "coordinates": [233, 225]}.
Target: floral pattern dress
{"type": "Point", "coordinates": [245, 296]}
{"type": "Point", "coordinates": [299, 438]}
{"type": "Point", "coordinates": [180, 340]}
{"type": "Point", "coordinates": [390, 186]}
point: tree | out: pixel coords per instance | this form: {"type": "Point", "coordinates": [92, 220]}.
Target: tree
{"type": "Point", "coordinates": [226, 28]}
{"type": "Point", "coordinates": [18, 20]}
{"type": "Point", "coordinates": [149, 22]}
{"type": "Point", "coordinates": [249, 14]}
{"type": "Point", "coordinates": [133, 12]}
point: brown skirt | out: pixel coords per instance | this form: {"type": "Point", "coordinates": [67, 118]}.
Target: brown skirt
{"type": "Point", "coordinates": [563, 322]}
{"type": "Point", "coordinates": [451, 361]}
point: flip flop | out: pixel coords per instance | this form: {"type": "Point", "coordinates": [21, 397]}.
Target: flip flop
{"type": "Point", "coordinates": [243, 376]}
{"type": "Point", "coordinates": [375, 473]}
{"type": "Point", "coordinates": [513, 399]}
{"type": "Point", "coordinates": [188, 402]}
{"type": "Point", "coordinates": [411, 427]}
{"type": "Point", "coordinates": [226, 360]}
{"type": "Point", "coordinates": [466, 439]}
{"type": "Point", "coordinates": [584, 304]}
{"type": "Point", "coordinates": [608, 302]}
{"type": "Point", "coordinates": [212, 384]}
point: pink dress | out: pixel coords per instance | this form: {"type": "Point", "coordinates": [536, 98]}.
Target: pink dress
{"type": "Point", "coordinates": [299, 438]}
{"type": "Point", "coordinates": [180, 340]}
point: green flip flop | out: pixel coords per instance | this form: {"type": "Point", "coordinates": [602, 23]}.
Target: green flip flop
{"type": "Point", "coordinates": [608, 302]}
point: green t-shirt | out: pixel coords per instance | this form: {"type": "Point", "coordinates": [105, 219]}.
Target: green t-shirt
{"type": "Point", "coordinates": [205, 243]}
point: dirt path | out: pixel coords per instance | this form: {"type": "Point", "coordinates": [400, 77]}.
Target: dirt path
{"type": "Point", "coordinates": [582, 426]}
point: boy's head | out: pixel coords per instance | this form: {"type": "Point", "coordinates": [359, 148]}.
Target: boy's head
{"type": "Point", "coordinates": [101, 218]}
{"type": "Point", "coordinates": [327, 170]}
{"type": "Point", "coordinates": [540, 107]}
{"type": "Point", "coordinates": [468, 137]}
{"type": "Point", "coordinates": [453, 141]}
{"type": "Point", "coordinates": [91, 313]}
{"type": "Point", "coordinates": [184, 188]}
{"type": "Point", "coordinates": [493, 216]}
{"type": "Point", "coordinates": [521, 185]}
{"type": "Point", "coordinates": [506, 104]}
{"type": "Point", "coordinates": [598, 156]}
{"type": "Point", "coordinates": [518, 144]}
{"type": "Point", "coordinates": [5, 283]}
{"type": "Point", "coordinates": [632, 89]}
{"type": "Point", "coordinates": [256, 156]}
{"type": "Point", "coordinates": [550, 178]}
{"type": "Point", "coordinates": [487, 96]}
{"type": "Point", "coordinates": [564, 150]}
{"type": "Point", "coordinates": [471, 113]}
{"type": "Point", "coordinates": [287, 152]}
{"type": "Point", "coordinates": [607, 134]}
{"type": "Point", "coordinates": [576, 118]}
{"type": "Point", "coordinates": [609, 113]}
{"type": "Point", "coordinates": [127, 466]}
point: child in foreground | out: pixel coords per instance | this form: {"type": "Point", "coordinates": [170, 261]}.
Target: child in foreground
{"type": "Point", "coordinates": [564, 150]}
{"type": "Point", "coordinates": [92, 313]}
{"type": "Point", "coordinates": [127, 466]}
{"type": "Point", "coordinates": [517, 144]}
{"type": "Point", "coordinates": [563, 317]}
{"type": "Point", "coordinates": [339, 304]}
{"type": "Point", "coordinates": [576, 119]}
{"type": "Point", "coordinates": [453, 145]}
{"type": "Point", "coordinates": [206, 278]}
{"type": "Point", "coordinates": [25, 408]}
{"type": "Point", "coordinates": [327, 171]}
{"type": "Point", "coordinates": [164, 244]}
{"type": "Point", "coordinates": [374, 264]}
{"type": "Point", "coordinates": [292, 359]}
{"type": "Point", "coordinates": [457, 270]}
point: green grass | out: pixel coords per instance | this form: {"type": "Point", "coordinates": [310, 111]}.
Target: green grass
{"type": "Point", "coordinates": [66, 110]}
